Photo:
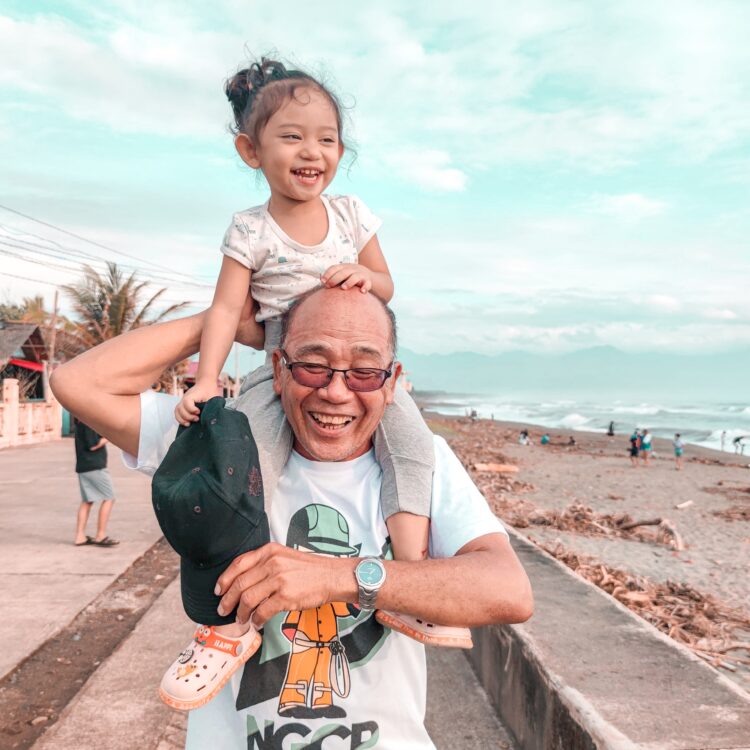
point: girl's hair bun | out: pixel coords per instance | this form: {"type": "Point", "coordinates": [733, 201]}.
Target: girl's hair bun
{"type": "Point", "coordinates": [252, 110]}
{"type": "Point", "coordinates": [242, 88]}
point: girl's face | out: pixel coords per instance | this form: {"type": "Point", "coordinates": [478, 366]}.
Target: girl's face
{"type": "Point", "coordinates": [299, 148]}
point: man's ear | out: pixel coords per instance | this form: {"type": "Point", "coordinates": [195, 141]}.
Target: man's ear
{"type": "Point", "coordinates": [247, 151]}
{"type": "Point", "coordinates": [392, 383]}
{"type": "Point", "coordinates": [278, 367]}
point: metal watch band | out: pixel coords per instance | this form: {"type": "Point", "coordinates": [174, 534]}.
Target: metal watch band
{"type": "Point", "coordinates": [369, 594]}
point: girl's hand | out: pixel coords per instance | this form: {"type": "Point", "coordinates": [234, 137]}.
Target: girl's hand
{"type": "Point", "coordinates": [347, 275]}
{"type": "Point", "coordinates": [187, 411]}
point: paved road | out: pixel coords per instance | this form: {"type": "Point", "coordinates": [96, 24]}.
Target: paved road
{"type": "Point", "coordinates": [44, 578]}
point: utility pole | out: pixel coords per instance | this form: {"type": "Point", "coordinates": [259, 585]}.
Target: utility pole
{"type": "Point", "coordinates": [53, 335]}
{"type": "Point", "coordinates": [236, 369]}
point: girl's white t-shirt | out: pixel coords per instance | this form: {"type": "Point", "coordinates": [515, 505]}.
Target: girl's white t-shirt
{"type": "Point", "coordinates": [378, 697]}
{"type": "Point", "coordinates": [283, 269]}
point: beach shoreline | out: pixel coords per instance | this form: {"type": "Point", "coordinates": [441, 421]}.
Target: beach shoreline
{"type": "Point", "coordinates": [534, 487]}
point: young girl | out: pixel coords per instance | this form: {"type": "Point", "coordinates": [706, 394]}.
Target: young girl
{"type": "Point", "coordinates": [289, 126]}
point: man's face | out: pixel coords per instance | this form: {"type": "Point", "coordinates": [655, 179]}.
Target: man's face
{"type": "Point", "coordinates": [340, 329]}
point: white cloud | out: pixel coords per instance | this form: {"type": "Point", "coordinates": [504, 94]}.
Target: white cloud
{"type": "Point", "coordinates": [720, 314]}
{"type": "Point", "coordinates": [664, 303]}
{"type": "Point", "coordinates": [430, 169]}
{"type": "Point", "coordinates": [629, 206]}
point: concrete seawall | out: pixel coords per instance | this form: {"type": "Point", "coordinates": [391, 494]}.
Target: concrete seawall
{"type": "Point", "coordinates": [587, 673]}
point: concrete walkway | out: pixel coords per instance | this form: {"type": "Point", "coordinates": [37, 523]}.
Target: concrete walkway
{"type": "Point", "coordinates": [47, 581]}
{"type": "Point", "coordinates": [44, 578]}
{"type": "Point", "coordinates": [118, 707]}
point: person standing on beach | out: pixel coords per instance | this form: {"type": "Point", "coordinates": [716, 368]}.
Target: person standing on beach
{"type": "Point", "coordinates": [611, 429]}
{"type": "Point", "coordinates": [679, 449]}
{"type": "Point", "coordinates": [646, 447]}
{"type": "Point", "coordinates": [723, 439]}
{"type": "Point", "coordinates": [635, 441]}
{"type": "Point", "coordinates": [95, 484]}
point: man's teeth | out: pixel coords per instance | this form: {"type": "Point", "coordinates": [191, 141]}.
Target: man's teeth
{"type": "Point", "coordinates": [330, 419]}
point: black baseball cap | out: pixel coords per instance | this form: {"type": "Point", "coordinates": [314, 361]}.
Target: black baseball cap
{"type": "Point", "coordinates": [208, 498]}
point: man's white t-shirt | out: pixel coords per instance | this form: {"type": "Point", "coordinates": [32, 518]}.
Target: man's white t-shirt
{"type": "Point", "coordinates": [333, 677]}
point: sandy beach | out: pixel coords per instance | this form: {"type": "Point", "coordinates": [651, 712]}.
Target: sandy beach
{"type": "Point", "coordinates": [596, 477]}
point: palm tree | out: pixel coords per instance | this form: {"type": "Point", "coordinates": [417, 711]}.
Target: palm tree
{"type": "Point", "coordinates": [34, 311]}
{"type": "Point", "coordinates": [109, 304]}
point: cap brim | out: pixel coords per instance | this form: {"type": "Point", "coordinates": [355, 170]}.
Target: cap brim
{"type": "Point", "coordinates": [198, 598]}
{"type": "Point", "coordinates": [198, 583]}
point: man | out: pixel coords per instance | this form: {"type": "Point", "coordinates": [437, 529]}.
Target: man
{"type": "Point", "coordinates": [95, 485]}
{"type": "Point", "coordinates": [377, 676]}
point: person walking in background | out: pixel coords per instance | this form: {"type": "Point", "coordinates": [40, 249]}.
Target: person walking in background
{"type": "Point", "coordinates": [635, 443]}
{"type": "Point", "coordinates": [646, 447]}
{"type": "Point", "coordinates": [679, 449]}
{"type": "Point", "coordinates": [739, 445]}
{"type": "Point", "coordinates": [95, 484]}
{"type": "Point", "coordinates": [611, 429]}
{"type": "Point", "coordinates": [723, 439]}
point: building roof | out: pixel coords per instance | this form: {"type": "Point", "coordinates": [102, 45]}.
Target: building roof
{"type": "Point", "coordinates": [23, 337]}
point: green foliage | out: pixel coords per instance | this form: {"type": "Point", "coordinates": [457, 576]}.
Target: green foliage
{"type": "Point", "coordinates": [109, 304]}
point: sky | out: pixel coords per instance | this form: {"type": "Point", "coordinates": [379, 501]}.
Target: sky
{"type": "Point", "coordinates": [551, 175]}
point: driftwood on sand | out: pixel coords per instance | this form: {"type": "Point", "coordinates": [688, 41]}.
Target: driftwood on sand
{"type": "Point", "coordinates": [701, 622]}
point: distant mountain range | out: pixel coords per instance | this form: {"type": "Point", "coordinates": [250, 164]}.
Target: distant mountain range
{"type": "Point", "coordinates": [601, 372]}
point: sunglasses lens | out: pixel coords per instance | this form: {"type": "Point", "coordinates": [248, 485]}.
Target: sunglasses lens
{"type": "Point", "coordinates": [311, 376]}
{"type": "Point", "coordinates": [365, 379]}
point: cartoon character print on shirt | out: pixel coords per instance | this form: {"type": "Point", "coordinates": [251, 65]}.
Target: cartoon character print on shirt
{"type": "Point", "coordinates": [309, 678]}
{"type": "Point", "coordinates": [318, 668]}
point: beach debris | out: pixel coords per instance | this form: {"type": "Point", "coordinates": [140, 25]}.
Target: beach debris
{"type": "Point", "coordinates": [707, 626]}
{"type": "Point", "coordinates": [497, 468]}
{"type": "Point", "coordinates": [735, 513]}
{"type": "Point", "coordinates": [682, 506]}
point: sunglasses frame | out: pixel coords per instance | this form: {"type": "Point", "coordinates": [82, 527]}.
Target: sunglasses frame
{"type": "Point", "coordinates": [333, 370]}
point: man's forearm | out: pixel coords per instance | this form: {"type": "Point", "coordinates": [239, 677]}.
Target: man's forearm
{"type": "Point", "coordinates": [131, 363]}
{"type": "Point", "coordinates": [483, 584]}
{"type": "Point", "coordinates": [101, 386]}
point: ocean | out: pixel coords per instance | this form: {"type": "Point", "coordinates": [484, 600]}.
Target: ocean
{"type": "Point", "coordinates": [698, 423]}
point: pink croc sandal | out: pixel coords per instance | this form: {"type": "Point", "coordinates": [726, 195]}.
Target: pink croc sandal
{"type": "Point", "coordinates": [205, 666]}
{"type": "Point", "coordinates": [425, 632]}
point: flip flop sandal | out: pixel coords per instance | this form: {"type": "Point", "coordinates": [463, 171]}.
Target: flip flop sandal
{"type": "Point", "coordinates": [205, 666]}
{"type": "Point", "coordinates": [425, 632]}
{"type": "Point", "coordinates": [89, 540]}
{"type": "Point", "coordinates": [106, 542]}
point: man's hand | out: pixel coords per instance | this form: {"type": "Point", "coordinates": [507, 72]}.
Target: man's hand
{"type": "Point", "coordinates": [275, 578]}
{"type": "Point", "coordinates": [249, 331]}
{"type": "Point", "coordinates": [347, 275]}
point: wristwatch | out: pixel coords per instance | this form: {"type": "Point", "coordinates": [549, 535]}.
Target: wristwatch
{"type": "Point", "coordinates": [370, 574]}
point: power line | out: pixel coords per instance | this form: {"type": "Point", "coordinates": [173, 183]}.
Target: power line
{"type": "Point", "coordinates": [21, 234]}
{"type": "Point", "coordinates": [85, 239]}
{"type": "Point", "coordinates": [43, 250]}
{"type": "Point", "coordinates": [27, 278]}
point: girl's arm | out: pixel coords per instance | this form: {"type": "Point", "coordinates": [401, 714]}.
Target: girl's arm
{"type": "Point", "coordinates": [370, 273]}
{"type": "Point", "coordinates": [222, 319]}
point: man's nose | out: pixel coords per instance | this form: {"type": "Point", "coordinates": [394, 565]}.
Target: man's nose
{"type": "Point", "coordinates": [337, 390]}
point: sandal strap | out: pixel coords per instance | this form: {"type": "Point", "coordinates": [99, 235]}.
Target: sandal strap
{"type": "Point", "coordinates": [216, 641]}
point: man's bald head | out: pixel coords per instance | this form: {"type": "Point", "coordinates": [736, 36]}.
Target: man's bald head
{"type": "Point", "coordinates": [354, 299]}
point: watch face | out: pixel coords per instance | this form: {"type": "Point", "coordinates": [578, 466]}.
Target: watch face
{"type": "Point", "coordinates": [370, 573]}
